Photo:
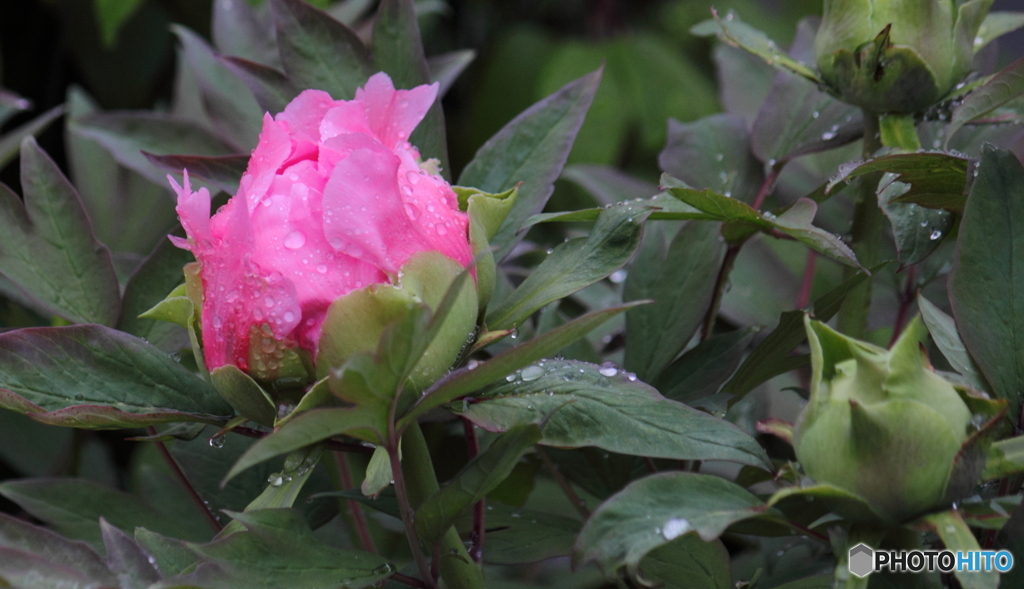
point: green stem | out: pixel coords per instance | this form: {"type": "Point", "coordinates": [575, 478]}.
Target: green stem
{"type": "Point", "coordinates": [866, 234]}
{"type": "Point", "coordinates": [457, 568]}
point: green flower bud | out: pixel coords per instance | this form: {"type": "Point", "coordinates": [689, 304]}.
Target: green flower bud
{"type": "Point", "coordinates": [897, 56]}
{"type": "Point", "coordinates": [880, 423]}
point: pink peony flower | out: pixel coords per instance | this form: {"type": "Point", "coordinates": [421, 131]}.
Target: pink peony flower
{"type": "Point", "coordinates": [334, 199]}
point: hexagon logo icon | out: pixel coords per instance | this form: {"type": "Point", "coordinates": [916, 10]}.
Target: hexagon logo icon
{"type": "Point", "coordinates": [861, 560]}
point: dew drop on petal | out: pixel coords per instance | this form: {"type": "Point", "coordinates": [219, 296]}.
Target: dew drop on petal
{"type": "Point", "coordinates": [441, 229]}
{"type": "Point", "coordinates": [412, 210]}
{"type": "Point", "coordinates": [289, 316]}
{"type": "Point", "coordinates": [295, 240]}
{"type": "Point", "coordinates": [321, 268]}
{"type": "Point", "coordinates": [413, 177]}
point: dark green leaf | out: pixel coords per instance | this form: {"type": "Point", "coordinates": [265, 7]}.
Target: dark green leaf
{"type": "Point", "coordinates": [147, 286]}
{"type": "Point", "coordinates": [246, 31]}
{"type": "Point", "coordinates": [447, 67]}
{"type": "Point", "coordinates": [689, 563]}
{"type": "Point", "coordinates": [11, 104]}
{"type": "Point", "coordinates": [531, 149]}
{"type": "Point", "coordinates": [467, 380]}
{"type": "Point", "coordinates": [997, 24]}
{"type": "Point", "coordinates": [226, 98]}
{"type": "Point", "coordinates": [743, 80]}
{"type": "Point", "coordinates": [243, 394]}
{"type": "Point", "coordinates": [70, 556]}
{"type": "Point", "coordinates": [271, 88]}
{"type": "Point", "coordinates": [797, 117]}
{"type": "Point", "coordinates": [279, 550]}
{"type": "Point", "coordinates": [713, 153]}
{"type": "Point", "coordinates": [49, 249]}
{"type": "Point", "coordinates": [486, 471]}
{"type": "Point", "coordinates": [73, 507]}
{"type": "Point", "coordinates": [739, 34]}
{"type": "Point", "coordinates": [604, 407]}
{"type": "Point", "coordinates": [608, 185]}
{"type": "Point", "coordinates": [918, 231]}
{"type": "Point", "coordinates": [1005, 457]}
{"type": "Point", "coordinates": [32, 448]}
{"type": "Point", "coordinates": [318, 51]}
{"type": "Point", "coordinates": [658, 509]}
{"type": "Point", "coordinates": [995, 92]}
{"type": "Point", "coordinates": [398, 51]}
{"type": "Point", "coordinates": [172, 556]}
{"type": "Point", "coordinates": [599, 472]}
{"type": "Point", "coordinates": [111, 15]}
{"type": "Point", "coordinates": [364, 422]}
{"type": "Point", "coordinates": [702, 371]}
{"type": "Point", "coordinates": [522, 536]}
{"type": "Point", "coordinates": [95, 377]}
{"type": "Point", "coordinates": [942, 328]}
{"type": "Point", "coordinates": [680, 278]}
{"type": "Point", "coordinates": [957, 537]}
{"type": "Point", "coordinates": [771, 357]}
{"type": "Point", "coordinates": [937, 180]}
{"type": "Point", "coordinates": [223, 171]}
{"type": "Point", "coordinates": [986, 284]}
{"type": "Point", "coordinates": [127, 134]}
{"type": "Point", "coordinates": [574, 265]}
{"type": "Point", "coordinates": [127, 559]}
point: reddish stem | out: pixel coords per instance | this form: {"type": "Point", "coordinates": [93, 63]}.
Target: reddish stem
{"type": "Point", "coordinates": [410, 581]}
{"type": "Point", "coordinates": [180, 475]}
{"type": "Point", "coordinates": [804, 296]}
{"type": "Point", "coordinates": [476, 551]}
{"type": "Point", "coordinates": [768, 185]}
{"type": "Point", "coordinates": [906, 300]}
{"type": "Point", "coordinates": [358, 516]}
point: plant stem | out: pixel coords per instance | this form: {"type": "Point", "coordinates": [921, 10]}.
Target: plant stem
{"type": "Point", "coordinates": [564, 483]}
{"type": "Point", "coordinates": [866, 239]}
{"type": "Point", "coordinates": [723, 279]}
{"type": "Point", "coordinates": [480, 507]}
{"type": "Point", "coordinates": [456, 567]}
{"type": "Point", "coordinates": [180, 475]}
{"type": "Point", "coordinates": [405, 508]}
{"type": "Point", "coordinates": [358, 516]}
{"type": "Point", "coordinates": [906, 300]}
{"type": "Point", "coordinates": [807, 284]}
{"type": "Point", "coordinates": [410, 581]}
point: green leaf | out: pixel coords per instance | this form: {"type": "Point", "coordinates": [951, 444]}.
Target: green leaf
{"type": "Point", "coordinates": [486, 471]}
{"type": "Point", "coordinates": [663, 208]}
{"type": "Point", "coordinates": [588, 405]}
{"type": "Point", "coordinates": [363, 422]}
{"type": "Point", "coordinates": [1005, 457]}
{"type": "Point", "coordinates": [318, 51]}
{"type": "Point", "coordinates": [127, 559]}
{"type": "Point", "coordinates": [148, 286]}
{"type": "Point", "coordinates": [279, 550]}
{"type": "Point", "coordinates": [702, 371]}
{"type": "Point", "coordinates": [378, 473]}
{"type": "Point", "coordinates": [942, 328]}
{"type": "Point", "coordinates": [11, 104]}
{"type": "Point", "coordinates": [232, 109]}
{"type": "Point", "coordinates": [995, 92]}
{"type": "Point", "coordinates": [608, 185]}
{"type": "Point", "coordinates": [73, 507]}
{"type": "Point", "coordinates": [469, 379]}
{"type": "Point", "coordinates": [937, 180]}
{"type": "Point", "coordinates": [126, 135]}
{"type": "Point", "coordinates": [795, 220]}
{"type": "Point", "coordinates": [241, 392]}
{"type": "Point", "coordinates": [771, 357]}
{"type": "Point", "coordinates": [10, 142]}
{"type": "Point", "coordinates": [680, 278]}
{"type": "Point", "coordinates": [223, 171]}
{"type": "Point", "coordinates": [918, 231]}
{"type": "Point", "coordinates": [797, 117]}
{"type": "Point", "coordinates": [111, 16]}
{"type": "Point", "coordinates": [848, 505]}
{"type": "Point", "coordinates": [658, 509]}
{"type": "Point", "coordinates": [997, 24]}
{"type": "Point", "coordinates": [737, 33]}
{"type": "Point", "coordinates": [486, 214]}
{"type": "Point", "coordinates": [986, 284]}
{"type": "Point", "coordinates": [398, 51]}
{"type": "Point", "coordinates": [522, 536]}
{"type": "Point", "coordinates": [530, 150]}
{"type": "Point", "coordinates": [49, 249]}
{"type": "Point", "coordinates": [957, 537]}
{"type": "Point", "coordinates": [172, 556]}
{"type": "Point", "coordinates": [61, 554]}
{"type": "Point", "coordinates": [689, 563]}
{"type": "Point", "coordinates": [271, 88]}
{"type": "Point", "coordinates": [573, 265]}
{"type": "Point", "coordinates": [713, 153]}
{"type": "Point", "coordinates": [31, 448]}
{"type": "Point", "coordinates": [245, 31]}
{"type": "Point", "coordinates": [92, 376]}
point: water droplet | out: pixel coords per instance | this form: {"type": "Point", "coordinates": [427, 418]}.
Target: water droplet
{"type": "Point", "coordinates": [618, 276]}
{"type": "Point", "coordinates": [79, 397]}
{"type": "Point", "coordinates": [288, 316]}
{"type": "Point", "coordinates": [514, 334]}
{"type": "Point", "coordinates": [608, 369]}
{"type": "Point", "coordinates": [275, 480]}
{"type": "Point", "coordinates": [924, 223]}
{"type": "Point", "coordinates": [412, 177]}
{"type": "Point", "coordinates": [532, 373]}
{"type": "Point", "coordinates": [719, 157]}
{"type": "Point", "coordinates": [321, 269]}
{"type": "Point", "coordinates": [412, 210]}
{"type": "Point", "coordinates": [935, 235]}
{"type": "Point", "coordinates": [472, 364]}
{"type": "Point", "coordinates": [217, 442]}
{"type": "Point", "coordinates": [295, 240]}
{"type": "Point", "coordinates": [828, 135]}
{"type": "Point", "coordinates": [675, 527]}
{"type": "Point", "coordinates": [815, 114]}
{"type": "Point", "coordinates": [510, 378]}
{"type": "Point", "coordinates": [406, 190]}
{"type": "Point", "coordinates": [384, 569]}
{"type": "Point", "coordinates": [441, 229]}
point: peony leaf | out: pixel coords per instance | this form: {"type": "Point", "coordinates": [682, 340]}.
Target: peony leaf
{"type": "Point", "coordinates": [589, 405]}
{"type": "Point", "coordinates": [146, 288]}
{"type": "Point", "coordinates": [57, 555]}
{"type": "Point", "coordinates": [92, 376]}
{"type": "Point", "coordinates": [937, 180]}
{"type": "Point", "coordinates": [222, 171]}
{"type": "Point", "coordinates": [530, 150]}
{"type": "Point", "coordinates": [49, 249]}
{"type": "Point", "coordinates": [995, 92]}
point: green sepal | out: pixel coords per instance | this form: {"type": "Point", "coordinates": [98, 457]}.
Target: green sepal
{"type": "Point", "coordinates": [184, 306]}
{"type": "Point", "coordinates": [487, 212]}
{"type": "Point", "coordinates": [175, 308]}
{"type": "Point", "coordinates": [244, 394]}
